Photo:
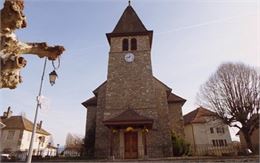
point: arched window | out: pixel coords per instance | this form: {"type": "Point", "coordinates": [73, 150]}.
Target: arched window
{"type": "Point", "coordinates": [133, 44]}
{"type": "Point", "coordinates": [125, 44]}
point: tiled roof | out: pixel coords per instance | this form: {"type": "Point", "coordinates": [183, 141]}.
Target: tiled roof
{"type": "Point", "coordinates": [90, 102]}
{"type": "Point", "coordinates": [129, 22]}
{"type": "Point", "coordinates": [173, 98]}
{"type": "Point", "coordinates": [197, 116]}
{"type": "Point", "coordinates": [20, 122]}
{"type": "Point", "coordinates": [129, 116]}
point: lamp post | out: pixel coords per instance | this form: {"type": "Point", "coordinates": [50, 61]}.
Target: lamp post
{"type": "Point", "coordinates": [58, 145]}
{"type": "Point", "coordinates": [52, 81]}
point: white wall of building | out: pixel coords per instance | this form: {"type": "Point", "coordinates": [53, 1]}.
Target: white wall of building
{"type": "Point", "coordinates": [20, 141]}
{"type": "Point", "coordinates": [200, 134]}
{"type": "Point", "coordinates": [26, 138]}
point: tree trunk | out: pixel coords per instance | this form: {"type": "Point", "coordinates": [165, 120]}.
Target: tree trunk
{"type": "Point", "coordinates": [248, 141]}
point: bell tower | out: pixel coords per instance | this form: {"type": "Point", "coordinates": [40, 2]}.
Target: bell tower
{"type": "Point", "coordinates": [132, 113]}
{"type": "Point", "coordinates": [129, 78]}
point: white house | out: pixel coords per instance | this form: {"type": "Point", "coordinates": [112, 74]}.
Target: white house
{"type": "Point", "coordinates": [16, 135]}
{"type": "Point", "coordinates": [206, 134]}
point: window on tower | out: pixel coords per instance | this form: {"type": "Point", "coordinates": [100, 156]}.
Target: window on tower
{"type": "Point", "coordinates": [125, 44]}
{"type": "Point", "coordinates": [133, 44]}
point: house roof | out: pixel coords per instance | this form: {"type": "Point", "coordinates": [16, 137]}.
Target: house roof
{"type": "Point", "coordinates": [21, 123]}
{"type": "Point", "coordinates": [129, 24]}
{"type": "Point", "coordinates": [197, 116]}
{"type": "Point", "coordinates": [172, 98]}
{"type": "Point", "coordinates": [129, 117]}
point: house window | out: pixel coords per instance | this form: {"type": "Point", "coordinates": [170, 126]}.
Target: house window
{"type": "Point", "coordinates": [211, 130]}
{"type": "Point", "coordinates": [125, 45]}
{"type": "Point", "coordinates": [220, 130]}
{"type": "Point", "coordinates": [10, 135]}
{"type": "Point", "coordinates": [225, 142]}
{"type": "Point", "coordinates": [214, 143]}
{"type": "Point", "coordinates": [221, 143]}
{"type": "Point", "coordinates": [133, 44]}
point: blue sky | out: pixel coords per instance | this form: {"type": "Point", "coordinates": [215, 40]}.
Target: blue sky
{"type": "Point", "coordinates": [191, 38]}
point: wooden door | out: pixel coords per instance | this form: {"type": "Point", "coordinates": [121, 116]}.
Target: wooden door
{"type": "Point", "coordinates": [131, 145]}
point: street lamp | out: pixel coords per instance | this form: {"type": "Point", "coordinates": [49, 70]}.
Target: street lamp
{"type": "Point", "coordinates": [53, 75]}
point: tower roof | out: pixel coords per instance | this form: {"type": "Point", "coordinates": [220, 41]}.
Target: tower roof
{"type": "Point", "coordinates": [129, 24]}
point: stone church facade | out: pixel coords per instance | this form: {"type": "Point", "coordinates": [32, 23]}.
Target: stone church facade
{"type": "Point", "coordinates": [132, 114]}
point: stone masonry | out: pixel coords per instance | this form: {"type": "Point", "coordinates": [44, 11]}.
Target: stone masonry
{"type": "Point", "coordinates": [131, 88]}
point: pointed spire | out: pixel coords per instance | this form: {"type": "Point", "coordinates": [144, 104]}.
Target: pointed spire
{"type": "Point", "coordinates": [129, 22]}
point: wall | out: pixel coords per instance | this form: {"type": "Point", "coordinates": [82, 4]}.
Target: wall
{"type": "Point", "coordinates": [129, 84]}
{"type": "Point", "coordinates": [26, 138]}
{"type": "Point", "coordinates": [200, 137]}
{"type": "Point", "coordinates": [132, 85]}
{"type": "Point", "coordinates": [189, 137]}
{"type": "Point", "coordinates": [214, 123]}
{"type": "Point", "coordinates": [176, 119]}
{"type": "Point", "coordinates": [90, 130]}
{"type": "Point", "coordinates": [11, 144]}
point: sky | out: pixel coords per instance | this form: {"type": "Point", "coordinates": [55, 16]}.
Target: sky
{"type": "Point", "coordinates": [191, 39]}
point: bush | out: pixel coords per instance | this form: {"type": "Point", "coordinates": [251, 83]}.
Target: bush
{"type": "Point", "coordinates": [179, 146]}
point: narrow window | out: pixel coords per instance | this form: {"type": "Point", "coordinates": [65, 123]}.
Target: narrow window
{"type": "Point", "coordinates": [225, 142]}
{"type": "Point", "coordinates": [211, 130]}
{"type": "Point", "coordinates": [125, 44]}
{"type": "Point", "coordinates": [133, 44]}
{"type": "Point", "coordinates": [217, 143]}
{"type": "Point", "coordinates": [221, 143]}
{"type": "Point", "coordinates": [223, 130]}
{"type": "Point", "coordinates": [214, 143]}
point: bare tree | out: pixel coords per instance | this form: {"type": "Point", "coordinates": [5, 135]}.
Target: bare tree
{"type": "Point", "coordinates": [11, 49]}
{"type": "Point", "coordinates": [233, 92]}
{"type": "Point", "coordinates": [73, 140]}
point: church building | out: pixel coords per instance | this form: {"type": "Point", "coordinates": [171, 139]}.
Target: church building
{"type": "Point", "coordinates": [132, 114]}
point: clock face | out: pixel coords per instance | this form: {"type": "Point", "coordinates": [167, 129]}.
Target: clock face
{"type": "Point", "coordinates": [129, 57]}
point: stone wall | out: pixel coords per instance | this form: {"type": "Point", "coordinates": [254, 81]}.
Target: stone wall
{"type": "Point", "coordinates": [130, 84]}
{"type": "Point", "coordinates": [90, 130]}
{"type": "Point", "coordinates": [102, 132]}
{"type": "Point", "coordinates": [176, 119]}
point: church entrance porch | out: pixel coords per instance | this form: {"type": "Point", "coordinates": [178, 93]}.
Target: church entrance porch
{"type": "Point", "coordinates": [128, 135]}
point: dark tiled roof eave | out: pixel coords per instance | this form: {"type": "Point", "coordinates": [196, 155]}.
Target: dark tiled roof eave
{"type": "Point", "coordinates": [173, 98]}
{"type": "Point", "coordinates": [90, 102]}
